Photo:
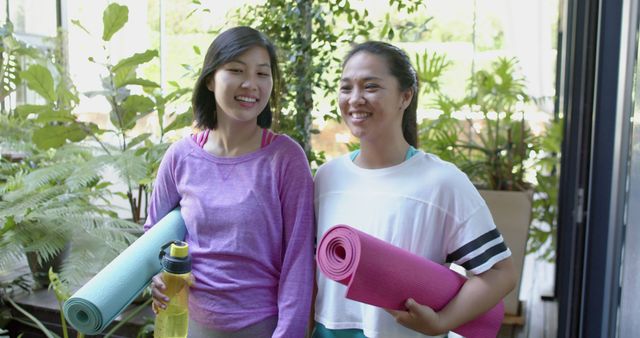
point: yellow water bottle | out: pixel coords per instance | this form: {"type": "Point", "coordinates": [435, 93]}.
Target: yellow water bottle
{"type": "Point", "coordinates": [173, 322]}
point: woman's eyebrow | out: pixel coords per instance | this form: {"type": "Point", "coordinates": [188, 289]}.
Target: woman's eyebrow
{"type": "Point", "coordinates": [268, 65]}
{"type": "Point", "coordinates": [367, 78]}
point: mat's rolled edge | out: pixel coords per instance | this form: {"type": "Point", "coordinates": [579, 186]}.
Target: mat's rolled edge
{"type": "Point", "coordinates": [83, 315]}
{"type": "Point", "coordinates": [349, 239]}
{"type": "Point", "coordinates": [77, 308]}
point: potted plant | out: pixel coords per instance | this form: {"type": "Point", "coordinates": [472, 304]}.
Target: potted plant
{"type": "Point", "coordinates": [51, 192]}
{"type": "Point", "coordinates": [60, 205]}
{"type": "Point", "coordinates": [486, 136]}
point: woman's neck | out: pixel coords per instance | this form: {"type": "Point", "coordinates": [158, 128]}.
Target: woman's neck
{"type": "Point", "coordinates": [233, 140]}
{"type": "Point", "coordinates": [381, 153]}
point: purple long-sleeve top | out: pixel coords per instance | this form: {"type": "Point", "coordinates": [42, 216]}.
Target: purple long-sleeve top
{"type": "Point", "coordinates": [250, 231]}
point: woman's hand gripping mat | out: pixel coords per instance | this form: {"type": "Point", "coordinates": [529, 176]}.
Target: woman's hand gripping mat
{"type": "Point", "coordinates": [378, 273]}
{"type": "Point", "coordinates": [94, 306]}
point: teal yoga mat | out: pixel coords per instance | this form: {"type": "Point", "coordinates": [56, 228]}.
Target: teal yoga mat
{"type": "Point", "coordinates": [94, 306]}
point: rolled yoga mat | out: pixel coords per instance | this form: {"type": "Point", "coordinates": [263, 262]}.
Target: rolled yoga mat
{"type": "Point", "coordinates": [94, 306]}
{"type": "Point", "coordinates": [381, 274]}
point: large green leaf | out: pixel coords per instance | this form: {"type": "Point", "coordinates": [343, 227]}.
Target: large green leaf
{"type": "Point", "coordinates": [50, 115]}
{"type": "Point", "coordinates": [67, 94]}
{"type": "Point", "coordinates": [123, 75]}
{"type": "Point", "coordinates": [138, 139]}
{"type": "Point", "coordinates": [54, 136]}
{"type": "Point", "coordinates": [182, 120]}
{"type": "Point", "coordinates": [140, 82]}
{"type": "Point", "coordinates": [134, 108]}
{"type": "Point", "coordinates": [40, 80]}
{"type": "Point", "coordinates": [114, 18]}
{"type": "Point", "coordinates": [136, 59]}
{"type": "Point", "coordinates": [27, 109]}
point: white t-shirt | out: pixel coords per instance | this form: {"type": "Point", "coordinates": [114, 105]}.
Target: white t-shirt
{"type": "Point", "coordinates": [424, 205]}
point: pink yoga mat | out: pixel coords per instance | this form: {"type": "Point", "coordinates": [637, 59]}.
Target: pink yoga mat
{"type": "Point", "coordinates": [378, 273]}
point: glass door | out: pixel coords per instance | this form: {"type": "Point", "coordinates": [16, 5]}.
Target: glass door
{"type": "Point", "coordinates": [628, 324]}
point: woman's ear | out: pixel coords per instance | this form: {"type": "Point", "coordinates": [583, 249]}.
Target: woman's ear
{"type": "Point", "coordinates": [407, 96]}
{"type": "Point", "coordinates": [210, 83]}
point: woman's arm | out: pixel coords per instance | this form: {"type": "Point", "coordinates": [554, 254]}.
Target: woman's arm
{"type": "Point", "coordinates": [478, 295]}
{"type": "Point", "coordinates": [296, 277]}
{"type": "Point", "coordinates": [165, 196]}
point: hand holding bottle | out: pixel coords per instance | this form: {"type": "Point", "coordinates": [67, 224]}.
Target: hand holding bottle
{"type": "Point", "coordinates": [170, 292]}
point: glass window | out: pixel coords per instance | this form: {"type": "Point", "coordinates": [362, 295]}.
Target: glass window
{"type": "Point", "coordinates": [32, 17]}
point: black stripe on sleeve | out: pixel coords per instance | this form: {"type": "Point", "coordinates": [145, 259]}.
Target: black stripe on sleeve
{"type": "Point", "coordinates": [473, 245]}
{"type": "Point", "coordinates": [485, 256]}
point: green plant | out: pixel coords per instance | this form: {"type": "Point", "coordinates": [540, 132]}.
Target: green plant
{"type": "Point", "coordinates": [493, 143]}
{"type": "Point", "coordinates": [52, 190]}
{"type": "Point", "coordinates": [12, 51]}
{"type": "Point", "coordinates": [132, 155]}
{"type": "Point", "coordinates": [131, 98]}
{"type": "Point", "coordinates": [60, 202]}
{"type": "Point", "coordinates": [62, 293]}
{"type": "Point", "coordinates": [35, 322]}
{"type": "Point", "coordinates": [21, 220]}
{"type": "Point", "coordinates": [542, 234]}
{"type": "Point", "coordinates": [495, 148]}
{"type": "Point", "coordinates": [16, 131]}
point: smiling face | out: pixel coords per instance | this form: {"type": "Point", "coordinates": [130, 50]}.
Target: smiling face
{"type": "Point", "coordinates": [370, 98]}
{"type": "Point", "coordinates": [242, 87]}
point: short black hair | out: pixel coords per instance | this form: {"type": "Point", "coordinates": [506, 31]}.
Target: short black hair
{"type": "Point", "coordinates": [225, 48]}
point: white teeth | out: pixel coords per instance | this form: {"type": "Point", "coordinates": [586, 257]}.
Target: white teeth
{"type": "Point", "coordinates": [246, 99]}
{"type": "Point", "coordinates": [360, 115]}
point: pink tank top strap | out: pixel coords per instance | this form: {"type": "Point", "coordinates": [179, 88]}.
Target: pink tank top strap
{"type": "Point", "coordinates": [267, 137]}
{"type": "Point", "coordinates": [201, 138]}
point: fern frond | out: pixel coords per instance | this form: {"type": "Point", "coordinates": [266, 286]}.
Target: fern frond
{"type": "Point", "coordinates": [130, 167]}
{"type": "Point", "coordinates": [84, 176]}
{"type": "Point", "coordinates": [46, 175]}
{"type": "Point", "coordinates": [119, 223]}
{"type": "Point", "coordinates": [77, 269]}
{"type": "Point", "coordinates": [45, 240]}
{"type": "Point", "coordinates": [72, 151]}
{"type": "Point", "coordinates": [11, 254]}
{"type": "Point", "coordinates": [13, 182]}
{"type": "Point", "coordinates": [90, 252]}
{"type": "Point", "coordinates": [20, 202]}
{"type": "Point", "coordinates": [116, 239]}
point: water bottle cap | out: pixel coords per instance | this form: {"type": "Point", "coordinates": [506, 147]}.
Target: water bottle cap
{"type": "Point", "coordinates": [178, 260]}
{"type": "Point", "coordinates": [179, 249]}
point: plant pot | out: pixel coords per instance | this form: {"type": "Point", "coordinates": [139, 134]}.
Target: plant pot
{"type": "Point", "coordinates": [40, 272]}
{"type": "Point", "coordinates": [511, 211]}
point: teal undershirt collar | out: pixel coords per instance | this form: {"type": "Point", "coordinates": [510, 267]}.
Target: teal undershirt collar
{"type": "Point", "coordinates": [410, 152]}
